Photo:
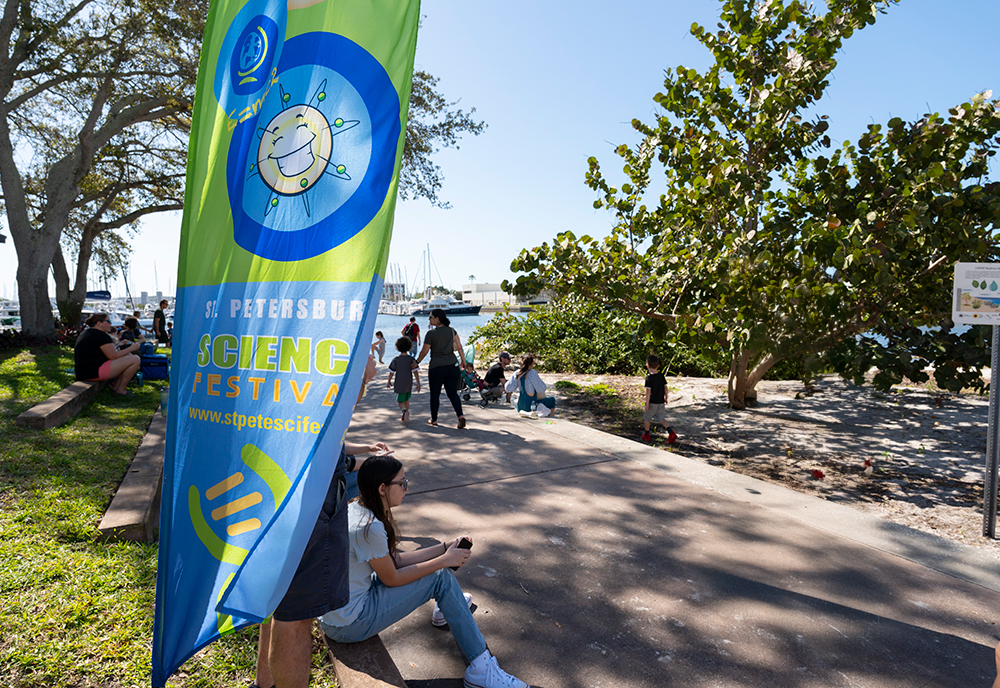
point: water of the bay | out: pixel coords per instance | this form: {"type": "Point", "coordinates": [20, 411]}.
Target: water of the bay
{"type": "Point", "coordinates": [392, 325]}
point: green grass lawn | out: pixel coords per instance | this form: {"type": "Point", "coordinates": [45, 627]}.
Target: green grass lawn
{"type": "Point", "coordinates": [77, 611]}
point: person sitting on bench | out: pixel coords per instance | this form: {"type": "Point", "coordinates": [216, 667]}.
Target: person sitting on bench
{"type": "Point", "coordinates": [98, 358]}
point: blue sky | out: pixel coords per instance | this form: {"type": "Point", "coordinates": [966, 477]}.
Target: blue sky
{"type": "Point", "coordinates": [560, 82]}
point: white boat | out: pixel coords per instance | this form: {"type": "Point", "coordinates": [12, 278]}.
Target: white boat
{"type": "Point", "coordinates": [445, 302]}
{"type": "Point", "coordinates": [10, 315]}
{"type": "Point", "coordinates": [386, 307]}
{"type": "Point", "coordinates": [431, 299]}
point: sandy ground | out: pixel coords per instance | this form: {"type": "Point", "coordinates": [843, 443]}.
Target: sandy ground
{"type": "Point", "coordinates": [926, 449]}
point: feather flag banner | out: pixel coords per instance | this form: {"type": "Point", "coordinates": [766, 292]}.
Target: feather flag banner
{"type": "Point", "coordinates": [296, 142]}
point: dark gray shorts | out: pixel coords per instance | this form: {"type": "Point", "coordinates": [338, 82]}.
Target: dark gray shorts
{"type": "Point", "coordinates": [321, 583]}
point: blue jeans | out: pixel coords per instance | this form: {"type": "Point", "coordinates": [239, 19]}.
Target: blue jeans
{"type": "Point", "coordinates": [352, 486]}
{"type": "Point", "coordinates": [385, 606]}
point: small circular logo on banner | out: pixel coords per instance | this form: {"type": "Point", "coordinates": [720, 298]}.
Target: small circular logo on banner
{"type": "Point", "coordinates": [247, 58]}
{"type": "Point", "coordinates": [253, 55]}
{"type": "Point", "coordinates": [313, 166]}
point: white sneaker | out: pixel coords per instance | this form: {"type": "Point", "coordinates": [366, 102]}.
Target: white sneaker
{"type": "Point", "coordinates": [437, 618]}
{"type": "Point", "coordinates": [491, 676]}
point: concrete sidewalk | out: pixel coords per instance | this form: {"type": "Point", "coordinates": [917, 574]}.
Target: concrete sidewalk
{"type": "Point", "coordinates": [603, 562]}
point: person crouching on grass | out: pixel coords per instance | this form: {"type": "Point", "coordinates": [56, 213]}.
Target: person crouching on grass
{"type": "Point", "coordinates": [405, 369]}
{"type": "Point", "coordinates": [656, 400]}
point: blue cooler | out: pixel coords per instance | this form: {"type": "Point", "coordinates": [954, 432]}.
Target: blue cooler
{"type": "Point", "coordinates": [155, 367]}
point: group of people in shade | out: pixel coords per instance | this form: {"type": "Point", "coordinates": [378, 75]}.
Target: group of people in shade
{"type": "Point", "coordinates": [355, 580]}
{"type": "Point", "coordinates": [445, 368]}
{"type": "Point", "coordinates": [103, 353]}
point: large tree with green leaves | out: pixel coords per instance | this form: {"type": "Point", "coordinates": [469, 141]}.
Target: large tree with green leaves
{"type": "Point", "coordinates": [762, 243]}
{"type": "Point", "coordinates": [139, 174]}
{"type": "Point", "coordinates": [95, 98]}
{"type": "Point", "coordinates": [85, 77]}
{"type": "Point", "coordinates": [434, 123]}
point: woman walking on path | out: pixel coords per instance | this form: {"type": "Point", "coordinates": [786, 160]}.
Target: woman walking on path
{"type": "Point", "coordinates": [532, 388]}
{"type": "Point", "coordinates": [404, 581]}
{"type": "Point", "coordinates": [442, 342]}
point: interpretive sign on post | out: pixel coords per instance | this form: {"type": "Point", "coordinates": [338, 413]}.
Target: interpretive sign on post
{"type": "Point", "coordinates": [976, 301]}
{"type": "Point", "coordinates": [976, 294]}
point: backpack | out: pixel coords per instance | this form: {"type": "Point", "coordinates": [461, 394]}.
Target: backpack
{"type": "Point", "coordinates": [408, 331]}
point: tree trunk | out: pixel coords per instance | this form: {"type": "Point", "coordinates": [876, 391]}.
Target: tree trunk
{"type": "Point", "coordinates": [37, 242]}
{"type": "Point", "coordinates": [33, 262]}
{"type": "Point", "coordinates": [34, 244]}
{"type": "Point", "coordinates": [69, 301]}
{"type": "Point", "coordinates": [33, 297]}
{"type": "Point", "coordinates": [743, 380]}
{"type": "Point", "coordinates": [738, 379]}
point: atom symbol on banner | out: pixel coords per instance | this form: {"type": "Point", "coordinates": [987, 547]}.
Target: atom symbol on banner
{"type": "Point", "coordinates": [296, 147]}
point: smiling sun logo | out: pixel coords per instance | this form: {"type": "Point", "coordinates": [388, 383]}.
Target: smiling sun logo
{"type": "Point", "coordinates": [296, 149]}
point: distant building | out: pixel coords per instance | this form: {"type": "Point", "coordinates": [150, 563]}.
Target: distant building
{"type": "Point", "coordinates": [393, 291]}
{"type": "Point", "coordinates": [490, 294]}
{"type": "Point", "coordinates": [143, 297]}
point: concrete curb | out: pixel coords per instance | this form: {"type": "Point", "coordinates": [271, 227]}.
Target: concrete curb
{"type": "Point", "coordinates": [61, 406]}
{"type": "Point", "coordinates": [134, 512]}
{"type": "Point", "coordinates": [364, 665]}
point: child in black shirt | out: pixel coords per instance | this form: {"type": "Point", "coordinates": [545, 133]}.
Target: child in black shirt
{"type": "Point", "coordinates": [656, 400]}
{"type": "Point", "coordinates": [404, 368]}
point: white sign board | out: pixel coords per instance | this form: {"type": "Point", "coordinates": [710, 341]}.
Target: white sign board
{"type": "Point", "coordinates": [976, 294]}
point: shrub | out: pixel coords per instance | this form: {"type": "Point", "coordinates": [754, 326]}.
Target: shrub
{"type": "Point", "coordinates": [575, 336]}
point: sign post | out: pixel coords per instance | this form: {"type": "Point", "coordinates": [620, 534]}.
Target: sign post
{"type": "Point", "coordinates": [976, 301]}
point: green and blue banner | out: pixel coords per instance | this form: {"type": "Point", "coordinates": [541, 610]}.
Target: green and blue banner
{"type": "Point", "coordinates": [296, 142]}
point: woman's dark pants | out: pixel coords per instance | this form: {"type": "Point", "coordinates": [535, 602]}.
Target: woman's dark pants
{"type": "Point", "coordinates": [449, 376]}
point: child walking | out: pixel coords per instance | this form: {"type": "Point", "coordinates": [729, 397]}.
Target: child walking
{"type": "Point", "coordinates": [404, 367]}
{"type": "Point", "coordinates": [656, 400]}
{"type": "Point", "coordinates": [378, 346]}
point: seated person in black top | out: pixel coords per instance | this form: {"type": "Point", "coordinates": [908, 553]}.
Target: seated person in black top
{"type": "Point", "coordinates": [98, 358]}
{"type": "Point", "coordinates": [495, 376]}
{"type": "Point", "coordinates": [131, 332]}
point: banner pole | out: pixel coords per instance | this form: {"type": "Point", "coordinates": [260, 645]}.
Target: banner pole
{"type": "Point", "coordinates": [992, 444]}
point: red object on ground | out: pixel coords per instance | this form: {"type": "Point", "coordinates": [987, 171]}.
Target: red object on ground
{"type": "Point", "coordinates": [818, 474]}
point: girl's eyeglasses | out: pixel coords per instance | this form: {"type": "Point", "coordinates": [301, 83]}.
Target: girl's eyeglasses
{"type": "Point", "coordinates": [405, 483]}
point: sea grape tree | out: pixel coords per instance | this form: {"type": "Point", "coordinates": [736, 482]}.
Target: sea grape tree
{"type": "Point", "coordinates": [765, 241]}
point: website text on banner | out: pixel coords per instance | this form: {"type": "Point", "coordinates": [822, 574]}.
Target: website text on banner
{"type": "Point", "coordinates": [296, 141]}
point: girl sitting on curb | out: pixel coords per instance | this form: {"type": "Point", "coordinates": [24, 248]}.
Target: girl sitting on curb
{"type": "Point", "coordinates": [404, 581]}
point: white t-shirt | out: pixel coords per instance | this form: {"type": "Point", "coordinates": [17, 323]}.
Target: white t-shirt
{"type": "Point", "coordinates": [363, 550]}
